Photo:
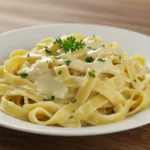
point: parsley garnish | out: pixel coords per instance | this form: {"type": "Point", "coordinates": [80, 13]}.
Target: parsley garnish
{"type": "Point", "coordinates": [89, 59]}
{"type": "Point", "coordinates": [28, 55]}
{"type": "Point", "coordinates": [134, 80]}
{"type": "Point", "coordinates": [49, 99]}
{"type": "Point", "coordinates": [58, 41]}
{"type": "Point", "coordinates": [102, 60]}
{"type": "Point", "coordinates": [67, 62]}
{"type": "Point", "coordinates": [70, 44]}
{"type": "Point", "coordinates": [92, 74]}
{"type": "Point", "coordinates": [47, 51]}
{"type": "Point", "coordinates": [74, 100]}
{"type": "Point", "coordinates": [52, 98]}
{"type": "Point", "coordinates": [103, 45]}
{"type": "Point", "coordinates": [59, 72]}
{"type": "Point", "coordinates": [23, 75]}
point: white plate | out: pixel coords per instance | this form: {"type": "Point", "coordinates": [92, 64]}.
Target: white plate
{"type": "Point", "coordinates": [130, 42]}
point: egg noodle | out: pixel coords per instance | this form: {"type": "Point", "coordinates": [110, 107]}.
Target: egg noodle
{"type": "Point", "coordinates": [73, 81]}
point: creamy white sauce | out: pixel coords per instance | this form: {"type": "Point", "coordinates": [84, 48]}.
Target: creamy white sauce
{"type": "Point", "coordinates": [95, 53]}
{"type": "Point", "coordinates": [93, 44]}
{"type": "Point", "coordinates": [82, 66]}
{"type": "Point", "coordinates": [45, 79]}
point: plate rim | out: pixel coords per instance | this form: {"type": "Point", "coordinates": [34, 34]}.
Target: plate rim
{"type": "Point", "coordinates": [62, 131]}
{"type": "Point", "coordinates": [66, 24]}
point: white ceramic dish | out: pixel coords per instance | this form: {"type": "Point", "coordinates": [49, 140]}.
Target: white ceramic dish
{"type": "Point", "coordinates": [130, 42]}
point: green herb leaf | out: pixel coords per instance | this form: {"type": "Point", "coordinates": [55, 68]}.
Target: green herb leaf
{"type": "Point", "coordinates": [89, 59]}
{"type": "Point", "coordinates": [74, 100]}
{"type": "Point", "coordinates": [28, 55]}
{"type": "Point", "coordinates": [23, 75]}
{"type": "Point", "coordinates": [67, 62]}
{"type": "Point", "coordinates": [134, 80]}
{"type": "Point", "coordinates": [58, 41]}
{"type": "Point", "coordinates": [52, 98]}
{"type": "Point", "coordinates": [49, 99]}
{"type": "Point", "coordinates": [103, 45]}
{"type": "Point", "coordinates": [47, 51]}
{"type": "Point", "coordinates": [59, 72]}
{"type": "Point", "coordinates": [102, 60]}
{"type": "Point", "coordinates": [119, 56]}
{"type": "Point", "coordinates": [92, 74]}
{"type": "Point", "coordinates": [70, 44]}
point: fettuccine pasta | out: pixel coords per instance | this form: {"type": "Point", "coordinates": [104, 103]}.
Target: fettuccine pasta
{"type": "Point", "coordinates": [73, 81]}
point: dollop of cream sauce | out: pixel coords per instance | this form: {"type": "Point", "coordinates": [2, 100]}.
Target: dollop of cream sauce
{"type": "Point", "coordinates": [45, 79]}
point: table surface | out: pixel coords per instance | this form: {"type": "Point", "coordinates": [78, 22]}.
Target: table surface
{"type": "Point", "coordinates": [130, 14]}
